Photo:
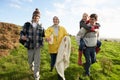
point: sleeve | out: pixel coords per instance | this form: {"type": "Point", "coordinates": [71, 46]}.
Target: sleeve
{"type": "Point", "coordinates": [97, 24]}
{"type": "Point", "coordinates": [65, 32]}
{"type": "Point", "coordinates": [43, 34]}
{"type": "Point", "coordinates": [48, 32]}
{"type": "Point", "coordinates": [84, 25]}
{"type": "Point", "coordinates": [22, 33]}
{"type": "Point", "coordinates": [80, 34]}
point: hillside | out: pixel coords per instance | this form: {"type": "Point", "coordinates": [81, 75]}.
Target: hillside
{"type": "Point", "coordinates": [9, 36]}
{"type": "Point", "coordinates": [15, 66]}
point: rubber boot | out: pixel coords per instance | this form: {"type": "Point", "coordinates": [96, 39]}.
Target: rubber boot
{"type": "Point", "coordinates": [80, 57]}
{"type": "Point", "coordinates": [97, 50]}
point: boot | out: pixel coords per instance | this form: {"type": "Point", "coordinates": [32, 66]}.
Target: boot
{"type": "Point", "coordinates": [80, 57]}
{"type": "Point", "coordinates": [97, 50]}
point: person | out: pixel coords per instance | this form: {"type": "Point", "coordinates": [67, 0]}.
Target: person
{"type": "Point", "coordinates": [80, 41]}
{"type": "Point", "coordinates": [32, 35]}
{"type": "Point", "coordinates": [90, 40]}
{"type": "Point", "coordinates": [83, 23]}
{"type": "Point", "coordinates": [54, 35]}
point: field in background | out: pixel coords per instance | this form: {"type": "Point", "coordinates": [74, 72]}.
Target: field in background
{"type": "Point", "coordinates": [15, 66]}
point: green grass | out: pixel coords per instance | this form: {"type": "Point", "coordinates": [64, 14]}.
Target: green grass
{"type": "Point", "coordinates": [15, 65]}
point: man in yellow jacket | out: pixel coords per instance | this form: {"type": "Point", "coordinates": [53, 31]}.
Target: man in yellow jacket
{"type": "Point", "coordinates": [54, 35]}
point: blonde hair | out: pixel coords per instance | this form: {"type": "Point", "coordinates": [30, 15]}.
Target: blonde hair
{"type": "Point", "coordinates": [85, 14]}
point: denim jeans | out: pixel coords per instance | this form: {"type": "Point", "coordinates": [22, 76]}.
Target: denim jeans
{"type": "Point", "coordinates": [82, 45]}
{"type": "Point", "coordinates": [99, 43]}
{"type": "Point", "coordinates": [90, 57]}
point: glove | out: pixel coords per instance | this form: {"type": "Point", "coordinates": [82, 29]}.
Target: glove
{"type": "Point", "coordinates": [92, 29]}
{"type": "Point", "coordinates": [96, 27]}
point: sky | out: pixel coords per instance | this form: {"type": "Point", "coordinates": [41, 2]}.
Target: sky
{"type": "Point", "coordinates": [69, 12]}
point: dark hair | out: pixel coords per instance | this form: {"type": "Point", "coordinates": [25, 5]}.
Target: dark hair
{"type": "Point", "coordinates": [94, 16]}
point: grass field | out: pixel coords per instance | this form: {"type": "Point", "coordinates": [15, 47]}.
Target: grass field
{"type": "Point", "coordinates": [15, 65]}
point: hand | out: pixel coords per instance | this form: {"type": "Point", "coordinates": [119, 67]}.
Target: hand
{"type": "Point", "coordinates": [24, 37]}
{"type": "Point", "coordinates": [92, 29]}
{"type": "Point", "coordinates": [96, 27]}
{"type": "Point", "coordinates": [64, 39]}
{"type": "Point", "coordinates": [48, 39]}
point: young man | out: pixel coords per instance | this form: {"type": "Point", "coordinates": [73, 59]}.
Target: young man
{"type": "Point", "coordinates": [90, 39]}
{"type": "Point", "coordinates": [54, 35]}
{"type": "Point", "coordinates": [32, 34]}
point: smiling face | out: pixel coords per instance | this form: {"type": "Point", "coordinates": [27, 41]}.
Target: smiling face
{"type": "Point", "coordinates": [93, 19]}
{"type": "Point", "coordinates": [85, 17]}
{"type": "Point", "coordinates": [55, 20]}
{"type": "Point", "coordinates": [36, 19]}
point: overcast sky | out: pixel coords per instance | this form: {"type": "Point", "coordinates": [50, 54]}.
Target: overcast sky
{"type": "Point", "coordinates": [68, 11]}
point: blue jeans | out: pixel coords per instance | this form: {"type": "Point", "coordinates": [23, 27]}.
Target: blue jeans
{"type": "Point", "coordinates": [99, 43]}
{"type": "Point", "coordinates": [90, 57]}
{"type": "Point", "coordinates": [82, 44]}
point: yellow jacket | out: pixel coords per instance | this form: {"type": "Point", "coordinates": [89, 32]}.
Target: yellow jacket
{"type": "Point", "coordinates": [53, 48]}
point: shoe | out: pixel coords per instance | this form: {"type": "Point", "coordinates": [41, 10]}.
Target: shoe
{"type": "Point", "coordinates": [80, 78]}
{"type": "Point", "coordinates": [32, 66]}
{"type": "Point", "coordinates": [96, 61]}
{"type": "Point", "coordinates": [37, 76]}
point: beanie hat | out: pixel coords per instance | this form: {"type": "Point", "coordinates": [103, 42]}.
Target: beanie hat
{"type": "Point", "coordinates": [36, 12]}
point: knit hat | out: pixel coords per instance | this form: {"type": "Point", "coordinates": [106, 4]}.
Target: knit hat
{"type": "Point", "coordinates": [36, 12]}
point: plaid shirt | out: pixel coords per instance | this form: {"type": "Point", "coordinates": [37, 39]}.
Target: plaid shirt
{"type": "Point", "coordinates": [34, 37]}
